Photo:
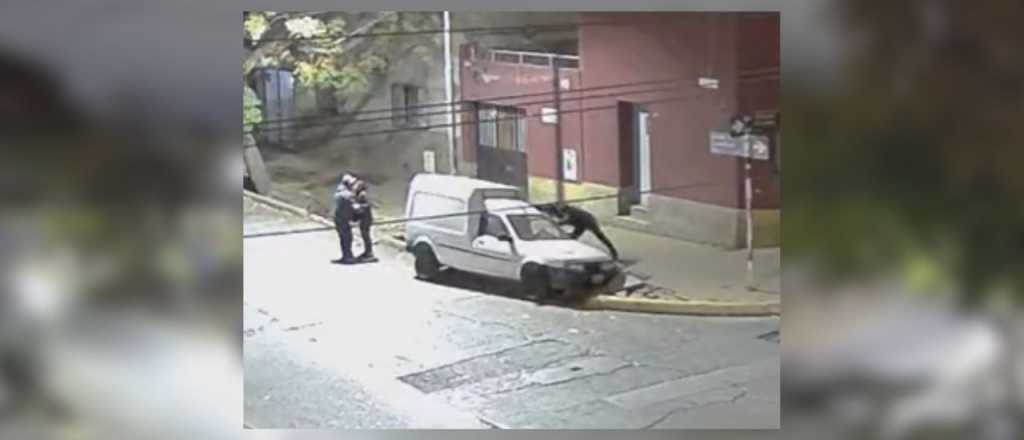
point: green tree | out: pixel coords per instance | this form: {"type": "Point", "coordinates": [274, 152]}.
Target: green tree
{"type": "Point", "coordinates": [910, 163]}
{"type": "Point", "coordinates": [890, 171]}
{"type": "Point", "coordinates": [324, 51]}
{"type": "Point", "coordinates": [251, 113]}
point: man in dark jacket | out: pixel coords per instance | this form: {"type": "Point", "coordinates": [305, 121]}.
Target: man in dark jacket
{"type": "Point", "coordinates": [344, 213]}
{"type": "Point", "coordinates": [580, 220]}
{"type": "Point", "coordinates": [364, 215]}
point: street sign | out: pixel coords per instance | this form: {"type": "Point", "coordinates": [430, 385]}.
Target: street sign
{"type": "Point", "coordinates": [429, 162]}
{"type": "Point", "coordinates": [548, 115]}
{"type": "Point", "coordinates": [570, 164]}
{"type": "Point", "coordinates": [765, 119]}
{"type": "Point", "coordinates": [723, 143]}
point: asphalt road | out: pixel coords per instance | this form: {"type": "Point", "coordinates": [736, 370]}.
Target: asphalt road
{"type": "Point", "coordinates": [369, 346]}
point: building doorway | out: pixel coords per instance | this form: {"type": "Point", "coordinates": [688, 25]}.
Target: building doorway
{"type": "Point", "coordinates": [643, 154]}
{"type": "Point", "coordinates": [501, 145]}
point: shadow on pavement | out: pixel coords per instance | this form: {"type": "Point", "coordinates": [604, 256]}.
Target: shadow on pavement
{"type": "Point", "coordinates": [500, 287]}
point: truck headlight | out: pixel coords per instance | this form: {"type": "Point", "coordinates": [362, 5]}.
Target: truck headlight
{"type": "Point", "coordinates": [609, 266]}
{"type": "Point", "coordinates": [579, 267]}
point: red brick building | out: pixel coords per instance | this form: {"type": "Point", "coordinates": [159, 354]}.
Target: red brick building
{"type": "Point", "coordinates": [633, 116]}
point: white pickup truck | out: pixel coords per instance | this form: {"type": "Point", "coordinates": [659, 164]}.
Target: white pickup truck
{"type": "Point", "coordinates": [487, 228]}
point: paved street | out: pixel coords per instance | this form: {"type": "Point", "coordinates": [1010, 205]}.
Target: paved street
{"type": "Point", "coordinates": [369, 346]}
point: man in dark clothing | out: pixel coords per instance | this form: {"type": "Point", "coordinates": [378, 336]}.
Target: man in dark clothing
{"type": "Point", "coordinates": [344, 213]}
{"type": "Point", "coordinates": [364, 215]}
{"type": "Point", "coordinates": [580, 220]}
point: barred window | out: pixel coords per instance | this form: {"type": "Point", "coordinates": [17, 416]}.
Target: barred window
{"type": "Point", "coordinates": [502, 127]}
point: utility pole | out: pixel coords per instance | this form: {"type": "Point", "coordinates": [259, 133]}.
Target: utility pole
{"type": "Point", "coordinates": [448, 92]}
{"type": "Point", "coordinates": [748, 190]}
{"type": "Point", "coordinates": [559, 171]}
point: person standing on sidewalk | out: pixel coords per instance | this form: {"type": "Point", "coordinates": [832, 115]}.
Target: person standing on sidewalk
{"type": "Point", "coordinates": [580, 220]}
{"type": "Point", "coordinates": [344, 214]}
{"type": "Point", "coordinates": [364, 215]}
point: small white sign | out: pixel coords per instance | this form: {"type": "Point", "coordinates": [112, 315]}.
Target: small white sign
{"type": "Point", "coordinates": [429, 162]}
{"type": "Point", "coordinates": [708, 83]}
{"type": "Point", "coordinates": [548, 115]}
{"type": "Point", "coordinates": [570, 165]}
{"type": "Point", "coordinates": [565, 83]}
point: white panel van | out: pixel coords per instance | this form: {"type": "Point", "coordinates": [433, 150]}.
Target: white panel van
{"type": "Point", "coordinates": [457, 222]}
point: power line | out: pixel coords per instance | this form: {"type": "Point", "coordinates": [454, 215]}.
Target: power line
{"type": "Point", "coordinates": [472, 101]}
{"type": "Point", "coordinates": [480, 212]}
{"type": "Point", "coordinates": [458, 124]}
{"type": "Point", "coordinates": [490, 29]}
{"type": "Point", "coordinates": [400, 113]}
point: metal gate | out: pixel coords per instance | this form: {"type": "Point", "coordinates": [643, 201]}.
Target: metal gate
{"type": "Point", "coordinates": [503, 166]}
{"type": "Point", "coordinates": [501, 145]}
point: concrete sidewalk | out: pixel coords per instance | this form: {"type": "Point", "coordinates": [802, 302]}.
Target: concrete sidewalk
{"type": "Point", "coordinates": [694, 271]}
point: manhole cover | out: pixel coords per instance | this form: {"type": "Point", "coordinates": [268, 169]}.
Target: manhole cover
{"type": "Point", "coordinates": [525, 358]}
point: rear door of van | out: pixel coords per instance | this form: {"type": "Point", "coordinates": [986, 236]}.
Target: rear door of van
{"type": "Point", "coordinates": [443, 219]}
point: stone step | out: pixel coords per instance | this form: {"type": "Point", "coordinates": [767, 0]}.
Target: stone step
{"type": "Point", "coordinates": [631, 223]}
{"type": "Point", "coordinates": [640, 212]}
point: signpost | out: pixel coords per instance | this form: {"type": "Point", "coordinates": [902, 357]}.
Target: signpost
{"type": "Point", "coordinates": [739, 142]}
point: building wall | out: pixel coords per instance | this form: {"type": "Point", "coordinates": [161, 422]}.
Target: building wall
{"type": "Point", "coordinates": [496, 82]}
{"type": "Point", "coordinates": [553, 41]}
{"type": "Point", "coordinates": [658, 46]}
{"type": "Point", "coordinates": [698, 196]}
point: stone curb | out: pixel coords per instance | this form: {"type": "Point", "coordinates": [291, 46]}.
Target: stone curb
{"type": "Point", "coordinates": [600, 302]}
{"type": "Point", "coordinates": [701, 308]}
{"type": "Point", "coordinates": [292, 209]}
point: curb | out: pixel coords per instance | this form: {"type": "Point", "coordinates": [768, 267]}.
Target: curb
{"type": "Point", "coordinates": [292, 209]}
{"type": "Point", "coordinates": [700, 308]}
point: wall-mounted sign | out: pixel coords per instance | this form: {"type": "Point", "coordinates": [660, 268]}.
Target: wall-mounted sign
{"type": "Point", "coordinates": [429, 162]}
{"type": "Point", "coordinates": [723, 143]}
{"type": "Point", "coordinates": [548, 115]}
{"type": "Point", "coordinates": [564, 83]}
{"type": "Point", "coordinates": [707, 83]}
{"type": "Point", "coordinates": [570, 164]}
{"type": "Point", "coordinates": [765, 118]}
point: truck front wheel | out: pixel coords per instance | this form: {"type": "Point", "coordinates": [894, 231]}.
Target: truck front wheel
{"type": "Point", "coordinates": [537, 281]}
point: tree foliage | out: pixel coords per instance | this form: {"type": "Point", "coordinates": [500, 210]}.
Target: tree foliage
{"type": "Point", "coordinates": [891, 169]}
{"type": "Point", "coordinates": [251, 113]}
{"type": "Point", "coordinates": [323, 48]}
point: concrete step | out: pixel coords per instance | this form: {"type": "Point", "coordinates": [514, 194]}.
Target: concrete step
{"type": "Point", "coordinates": [640, 213]}
{"type": "Point", "coordinates": [631, 223]}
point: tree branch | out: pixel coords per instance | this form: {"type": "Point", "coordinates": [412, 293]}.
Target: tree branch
{"type": "Point", "coordinates": [365, 27]}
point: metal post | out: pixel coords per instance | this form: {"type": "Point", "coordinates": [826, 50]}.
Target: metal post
{"type": "Point", "coordinates": [448, 92]}
{"type": "Point", "coordinates": [748, 190]}
{"type": "Point", "coordinates": [559, 171]}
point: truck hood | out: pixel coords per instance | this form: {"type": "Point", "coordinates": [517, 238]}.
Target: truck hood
{"type": "Point", "coordinates": [561, 250]}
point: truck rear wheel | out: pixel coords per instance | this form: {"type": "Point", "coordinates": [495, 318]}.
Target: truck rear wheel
{"type": "Point", "coordinates": [537, 281]}
{"type": "Point", "coordinates": [427, 266]}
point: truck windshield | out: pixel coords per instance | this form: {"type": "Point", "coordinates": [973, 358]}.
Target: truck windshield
{"type": "Point", "coordinates": [536, 227]}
